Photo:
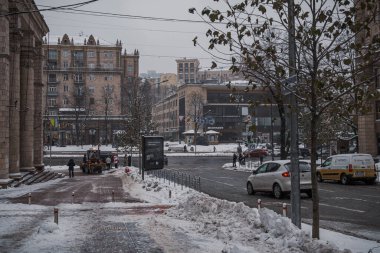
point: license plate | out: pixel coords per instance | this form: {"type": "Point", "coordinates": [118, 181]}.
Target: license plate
{"type": "Point", "coordinates": [359, 174]}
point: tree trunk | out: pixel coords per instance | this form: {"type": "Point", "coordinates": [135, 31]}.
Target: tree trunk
{"type": "Point", "coordinates": [315, 193]}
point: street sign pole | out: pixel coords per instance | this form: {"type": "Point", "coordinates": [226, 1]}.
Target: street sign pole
{"type": "Point", "coordinates": [295, 176]}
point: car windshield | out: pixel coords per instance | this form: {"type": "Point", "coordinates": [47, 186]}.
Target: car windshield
{"type": "Point", "coordinates": [304, 167]}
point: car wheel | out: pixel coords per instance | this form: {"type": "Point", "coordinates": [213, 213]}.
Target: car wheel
{"type": "Point", "coordinates": [250, 189]}
{"type": "Point", "coordinates": [319, 177]}
{"type": "Point", "coordinates": [309, 193]}
{"type": "Point", "coordinates": [277, 192]}
{"type": "Point", "coordinates": [344, 179]}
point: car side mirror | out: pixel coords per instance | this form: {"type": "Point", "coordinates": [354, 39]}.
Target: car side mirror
{"type": "Point", "coordinates": [254, 172]}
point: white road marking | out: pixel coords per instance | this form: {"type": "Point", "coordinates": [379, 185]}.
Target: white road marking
{"type": "Point", "coordinates": [364, 200]}
{"type": "Point", "coordinates": [339, 207]}
{"type": "Point", "coordinates": [325, 190]}
{"type": "Point", "coordinates": [218, 182]}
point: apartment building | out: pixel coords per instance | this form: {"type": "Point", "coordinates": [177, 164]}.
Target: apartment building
{"type": "Point", "coordinates": [86, 92]}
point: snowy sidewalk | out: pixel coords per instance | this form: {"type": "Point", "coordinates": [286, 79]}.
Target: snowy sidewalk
{"type": "Point", "coordinates": [189, 221]}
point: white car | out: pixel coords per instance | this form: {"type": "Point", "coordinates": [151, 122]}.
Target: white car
{"type": "Point", "coordinates": [274, 176]}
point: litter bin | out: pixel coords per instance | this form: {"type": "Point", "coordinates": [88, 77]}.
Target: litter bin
{"type": "Point", "coordinates": [129, 160]}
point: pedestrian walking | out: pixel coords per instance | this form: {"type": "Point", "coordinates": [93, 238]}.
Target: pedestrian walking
{"type": "Point", "coordinates": [239, 149]}
{"type": "Point", "coordinates": [214, 149]}
{"type": "Point", "coordinates": [108, 162]}
{"type": "Point", "coordinates": [71, 165]}
{"type": "Point", "coordinates": [261, 159]}
{"type": "Point", "coordinates": [234, 157]}
{"type": "Point", "coordinates": [116, 161]}
{"type": "Point", "coordinates": [84, 158]}
{"type": "Point", "coordinates": [185, 148]}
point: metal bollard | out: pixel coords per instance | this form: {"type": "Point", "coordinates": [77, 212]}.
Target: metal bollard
{"type": "Point", "coordinates": [56, 215]}
{"type": "Point", "coordinates": [30, 198]}
{"type": "Point", "coordinates": [72, 201]}
{"type": "Point", "coordinates": [284, 209]}
{"type": "Point", "coordinates": [113, 196]}
{"type": "Point", "coordinates": [170, 194]}
{"type": "Point", "coordinates": [259, 204]}
{"type": "Point", "coordinates": [181, 181]}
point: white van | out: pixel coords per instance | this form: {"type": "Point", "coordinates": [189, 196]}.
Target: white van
{"type": "Point", "coordinates": [348, 167]}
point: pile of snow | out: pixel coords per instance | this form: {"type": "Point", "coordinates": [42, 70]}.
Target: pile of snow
{"type": "Point", "coordinates": [235, 225]}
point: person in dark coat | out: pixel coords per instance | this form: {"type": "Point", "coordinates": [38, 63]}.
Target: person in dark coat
{"type": "Point", "coordinates": [71, 165]}
{"type": "Point", "coordinates": [234, 157]}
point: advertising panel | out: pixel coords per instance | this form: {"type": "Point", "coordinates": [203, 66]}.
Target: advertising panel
{"type": "Point", "coordinates": [153, 152]}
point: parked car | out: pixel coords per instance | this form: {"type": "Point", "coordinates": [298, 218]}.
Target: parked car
{"type": "Point", "coordinates": [258, 152]}
{"type": "Point", "coordinates": [348, 167]}
{"type": "Point", "coordinates": [274, 176]}
{"type": "Point", "coordinates": [304, 152]}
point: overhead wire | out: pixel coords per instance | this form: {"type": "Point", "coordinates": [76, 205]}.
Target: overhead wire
{"type": "Point", "coordinates": [50, 8]}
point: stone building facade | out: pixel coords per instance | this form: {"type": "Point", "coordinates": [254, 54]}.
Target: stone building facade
{"type": "Point", "coordinates": [86, 92]}
{"type": "Point", "coordinates": [369, 123]}
{"type": "Point", "coordinates": [21, 88]}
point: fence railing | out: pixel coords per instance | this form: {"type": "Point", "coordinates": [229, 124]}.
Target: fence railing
{"type": "Point", "coordinates": [177, 178]}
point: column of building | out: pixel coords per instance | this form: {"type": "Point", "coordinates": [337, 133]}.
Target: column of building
{"type": "Point", "coordinates": [4, 91]}
{"type": "Point", "coordinates": [27, 102]}
{"type": "Point", "coordinates": [14, 99]}
{"type": "Point", "coordinates": [38, 113]}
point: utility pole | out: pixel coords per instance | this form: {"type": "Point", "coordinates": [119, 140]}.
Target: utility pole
{"type": "Point", "coordinates": [295, 175]}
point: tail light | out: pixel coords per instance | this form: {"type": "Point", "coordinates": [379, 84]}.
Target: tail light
{"type": "Point", "coordinates": [350, 168]}
{"type": "Point", "coordinates": [286, 174]}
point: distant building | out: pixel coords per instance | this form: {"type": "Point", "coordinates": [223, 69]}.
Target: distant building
{"type": "Point", "coordinates": [222, 111]}
{"type": "Point", "coordinates": [86, 92]}
{"type": "Point", "coordinates": [187, 70]}
{"type": "Point", "coordinates": [21, 106]}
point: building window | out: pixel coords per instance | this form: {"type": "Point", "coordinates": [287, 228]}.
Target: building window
{"type": "Point", "coordinates": [91, 54]}
{"type": "Point", "coordinates": [91, 65]}
{"type": "Point", "coordinates": [108, 54]}
{"type": "Point", "coordinates": [52, 78]}
{"type": "Point", "coordinates": [108, 78]}
{"type": "Point", "coordinates": [65, 77]}
{"type": "Point", "coordinates": [52, 89]}
{"type": "Point", "coordinates": [52, 101]}
{"type": "Point", "coordinates": [52, 54]}
{"type": "Point", "coordinates": [78, 78]}
{"type": "Point", "coordinates": [91, 112]}
{"type": "Point", "coordinates": [65, 53]}
{"type": "Point", "coordinates": [65, 101]}
{"type": "Point", "coordinates": [65, 88]}
{"type": "Point", "coordinates": [91, 89]}
{"type": "Point", "coordinates": [91, 77]}
{"type": "Point", "coordinates": [65, 64]}
{"type": "Point", "coordinates": [130, 69]}
{"type": "Point", "coordinates": [92, 101]}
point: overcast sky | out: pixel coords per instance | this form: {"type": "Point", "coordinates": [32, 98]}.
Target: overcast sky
{"type": "Point", "coordinates": [160, 43]}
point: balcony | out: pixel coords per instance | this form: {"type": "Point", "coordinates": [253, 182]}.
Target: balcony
{"type": "Point", "coordinates": [53, 81]}
{"type": "Point", "coordinates": [80, 69]}
{"type": "Point", "coordinates": [52, 93]}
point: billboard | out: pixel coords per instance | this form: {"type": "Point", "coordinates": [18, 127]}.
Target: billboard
{"type": "Point", "coordinates": [153, 152]}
